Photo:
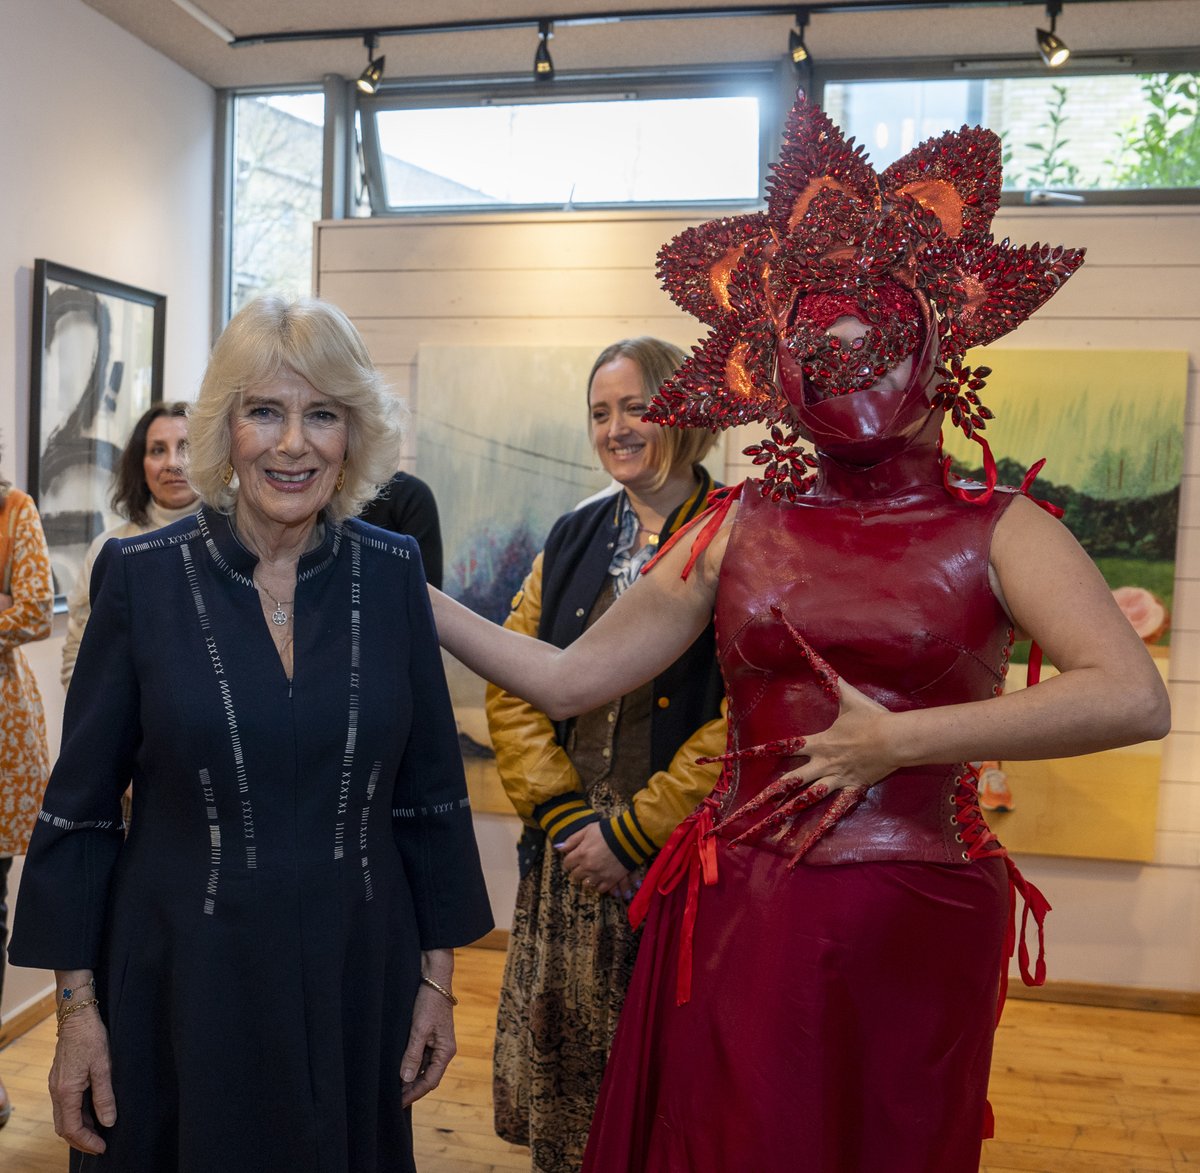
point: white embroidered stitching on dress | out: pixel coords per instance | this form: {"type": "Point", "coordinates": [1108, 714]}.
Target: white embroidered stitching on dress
{"type": "Point", "coordinates": [339, 833]}
{"type": "Point", "coordinates": [214, 843]}
{"type": "Point", "coordinates": [235, 737]}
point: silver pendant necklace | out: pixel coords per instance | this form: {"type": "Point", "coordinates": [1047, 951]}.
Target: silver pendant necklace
{"type": "Point", "coordinates": [279, 616]}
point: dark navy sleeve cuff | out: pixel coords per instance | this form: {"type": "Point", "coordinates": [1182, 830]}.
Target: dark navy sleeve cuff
{"type": "Point", "coordinates": [626, 839]}
{"type": "Point", "coordinates": [563, 815]}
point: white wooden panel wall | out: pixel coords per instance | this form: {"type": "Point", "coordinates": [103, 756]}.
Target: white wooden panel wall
{"type": "Point", "coordinates": [576, 279]}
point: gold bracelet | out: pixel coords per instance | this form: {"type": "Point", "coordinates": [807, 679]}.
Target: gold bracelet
{"type": "Point", "coordinates": [445, 993]}
{"type": "Point", "coordinates": [65, 1012]}
{"type": "Point", "coordinates": [69, 993]}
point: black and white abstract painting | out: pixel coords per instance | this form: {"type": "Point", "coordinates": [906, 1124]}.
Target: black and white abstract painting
{"type": "Point", "coordinates": [97, 365]}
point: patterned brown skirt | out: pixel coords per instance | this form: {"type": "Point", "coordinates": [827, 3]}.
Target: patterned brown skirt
{"type": "Point", "coordinates": [570, 957]}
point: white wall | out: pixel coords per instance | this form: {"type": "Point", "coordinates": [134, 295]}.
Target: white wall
{"type": "Point", "coordinates": [108, 162]}
{"type": "Point", "coordinates": [585, 279]}
{"type": "Point", "coordinates": [107, 152]}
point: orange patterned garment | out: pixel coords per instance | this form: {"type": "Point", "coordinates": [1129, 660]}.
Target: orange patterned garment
{"type": "Point", "coordinates": [24, 759]}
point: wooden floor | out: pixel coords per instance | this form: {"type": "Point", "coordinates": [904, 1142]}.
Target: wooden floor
{"type": "Point", "coordinates": [1076, 1090]}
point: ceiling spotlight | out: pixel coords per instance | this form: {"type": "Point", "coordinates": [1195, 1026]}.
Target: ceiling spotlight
{"type": "Point", "coordinates": [1052, 47]}
{"type": "Point", "coordinates": [543, 67]}
{"type": "Point", "coordinates": [797, 49]}
{"type": "Point", "coordinates": [369, 79]}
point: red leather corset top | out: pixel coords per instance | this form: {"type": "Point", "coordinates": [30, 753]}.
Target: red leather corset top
{"type": "Point", "coordinates": [891, 589]}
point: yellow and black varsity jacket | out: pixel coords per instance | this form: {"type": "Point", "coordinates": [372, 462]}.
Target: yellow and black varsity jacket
{"type": "Point", "coordinates": [686, 707]}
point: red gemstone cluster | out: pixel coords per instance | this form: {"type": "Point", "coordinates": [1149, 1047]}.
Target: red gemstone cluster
{"type": "Point", "coordinates": [789, 468]}
{"type": "Point", "coordinates": [958, 394]}
{"type": "Point", "coordinates": [908, 250]}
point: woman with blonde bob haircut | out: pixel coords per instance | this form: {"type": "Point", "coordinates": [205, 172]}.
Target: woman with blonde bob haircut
{"type": "Point", "coordinates": [657, 361]}
{"type": "Point", "coordinates": [601, 793]}
{"type": "Point", "coordinates": [259, 975]}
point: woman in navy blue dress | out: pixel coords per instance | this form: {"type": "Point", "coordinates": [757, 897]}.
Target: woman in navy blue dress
{"type": "Point", "coordinates": [259, 977]}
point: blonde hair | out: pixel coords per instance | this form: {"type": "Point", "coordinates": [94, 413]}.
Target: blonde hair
{"type": "Point", "coordinates": [658, 360]}
{"type": "Point", "coordinates": [315, 340]}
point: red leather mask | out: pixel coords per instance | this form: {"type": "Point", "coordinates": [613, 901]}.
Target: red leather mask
{"type": "Point", "coordinates": [867, 426]}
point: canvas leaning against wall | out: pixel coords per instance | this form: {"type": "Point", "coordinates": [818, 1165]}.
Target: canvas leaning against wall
{"type": "Point", "coordinates": [502, 440]}
{"type": "Point", "coordinates": [1110, 425]}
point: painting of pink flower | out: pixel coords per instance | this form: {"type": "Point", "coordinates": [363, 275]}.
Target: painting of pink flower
{"type": "Point", "coordinates": [1145, 611]}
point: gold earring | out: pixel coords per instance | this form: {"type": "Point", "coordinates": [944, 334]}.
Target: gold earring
{"type": "Point", "coordinates": [341, 480]}
{"type": "Point", "coordinates": [227, 475]}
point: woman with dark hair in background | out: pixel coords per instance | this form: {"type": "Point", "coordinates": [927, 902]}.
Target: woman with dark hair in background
{"type": "Point", "coordinates": [605, 789]}
{"type": "Point", "coordinates": [150, 490]}
{"type": "Point", "coordinates": [26, 610]}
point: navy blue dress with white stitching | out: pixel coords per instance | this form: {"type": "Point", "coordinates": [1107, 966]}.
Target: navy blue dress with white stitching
{"type": "Point", "coordinates": [295, 844]}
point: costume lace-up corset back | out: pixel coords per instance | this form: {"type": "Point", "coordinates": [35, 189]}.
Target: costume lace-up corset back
{"type": "Point", "coordinates": [893, 593]}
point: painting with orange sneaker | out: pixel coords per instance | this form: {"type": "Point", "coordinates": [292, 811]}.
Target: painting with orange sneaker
{"type": "Point", "coordinates": [995, 794]}
{"type": "Point", "coordinates": [1110, 424]}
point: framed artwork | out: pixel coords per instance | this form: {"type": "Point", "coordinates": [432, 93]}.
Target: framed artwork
{"type": "Point", "coordinates": [502, 440]}
{"type": "Point", "coordinates": [1111, 425]}
{"type": "Point", "coordinates": [97, 365]}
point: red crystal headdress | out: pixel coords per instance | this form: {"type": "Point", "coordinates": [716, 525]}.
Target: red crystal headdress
{"type": "Point", "coordinates": [837, 234]}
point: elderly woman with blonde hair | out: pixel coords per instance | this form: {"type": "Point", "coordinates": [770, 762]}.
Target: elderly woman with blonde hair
{"type": "Point", "coordinates": [260, 976]}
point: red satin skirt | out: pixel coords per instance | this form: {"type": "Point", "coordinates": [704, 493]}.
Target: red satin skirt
{"type": "Point", "coordinates": [840, 1021]}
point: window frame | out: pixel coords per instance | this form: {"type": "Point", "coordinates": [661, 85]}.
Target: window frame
{"type": "Point", "coordinates": [774, 83]}
{"type": "Point", "coordinates": [758, 80]}
{"type": "Point", "coordinates": [983, 68]}
{"type": "Point", "coordinates": [225, 182]}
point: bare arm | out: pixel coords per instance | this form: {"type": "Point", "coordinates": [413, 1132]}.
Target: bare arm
{"type": "Point", "coordinates": [649, 627]}
{"type": "Point", "coordinates": [1108, 691]}
{"type": "Point", "coordinates": [533, 767]}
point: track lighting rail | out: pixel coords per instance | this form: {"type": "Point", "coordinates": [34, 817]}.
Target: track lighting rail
{"type": "Point", "coordinates": [813, 7]}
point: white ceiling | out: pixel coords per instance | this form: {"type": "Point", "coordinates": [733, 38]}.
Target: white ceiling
{"type": "Point", "coordinates": [973, 27]}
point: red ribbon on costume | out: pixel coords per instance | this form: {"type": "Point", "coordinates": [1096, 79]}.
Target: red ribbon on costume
{"type": "Point", "coordinates": [690, 851]}
{"type": "Point", "coordinates": [990, 476]}
{"type": "Point", "coordinates": [720, 501]}
{"type": "Point", "coordinates": [1027, 484]}
{"type": "Point", "coordinates": [1038, 905]}
{"type": "Point", "coordinates": [1033, 673]}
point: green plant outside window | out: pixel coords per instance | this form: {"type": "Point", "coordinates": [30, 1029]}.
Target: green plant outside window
{"type": "Point", "coordinates": [1107, 132]}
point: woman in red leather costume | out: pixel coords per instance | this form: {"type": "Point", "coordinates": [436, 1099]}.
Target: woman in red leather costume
{"type": "Point", "coordinates": [827, 937]}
